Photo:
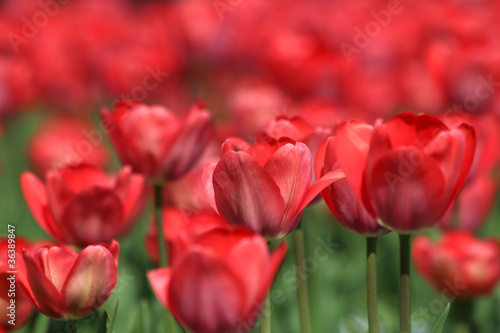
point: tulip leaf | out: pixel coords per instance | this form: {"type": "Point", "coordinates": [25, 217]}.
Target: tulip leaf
{"type": "Point", "coordinates": [41, 324]}
{"type": "Point", "coordinates": [113, 318]}
{"type": "Point", "coordinates": [103, 320]}
{"type": "Point", "coordinates": [439, 328]}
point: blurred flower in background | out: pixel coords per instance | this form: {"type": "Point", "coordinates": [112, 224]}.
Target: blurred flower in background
{"type": "Point", "coordinates": [459, 259]}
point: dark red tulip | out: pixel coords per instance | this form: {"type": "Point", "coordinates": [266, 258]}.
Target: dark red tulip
{"type": "Point", "coordinates": [460, 265]}
{"type": "Point", "coordinates": [154, 141]}
{"type": "Point", "coordinates": [406, 171]}
{"type": "Point", "coordinates": [265, 187]}
{"type": "Point", "coordinates": [219, 282]}
{"type": "Point", "coordinates": [82, 205]}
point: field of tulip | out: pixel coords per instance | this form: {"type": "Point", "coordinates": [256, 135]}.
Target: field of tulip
{"type": "Point", "coordinates": [237, 166]}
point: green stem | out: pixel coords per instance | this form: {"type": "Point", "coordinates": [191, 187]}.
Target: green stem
{"type": "Point", "coordinates": [72, 326]}
{"type": "Point", "coordinates": [371, 281]}
{"type": "Point", "coordinates": [404, 284]}
{"type": "Point", "coordinates": [302, 292]}
{"type": "Point", "coordinates": [162, 245]}
{"type": "Point", "coordinates": [162, 248]}
{"type": "Point", "coordinates": [462, 316]}
{"type": "Point", "coordinates": [265, 316]}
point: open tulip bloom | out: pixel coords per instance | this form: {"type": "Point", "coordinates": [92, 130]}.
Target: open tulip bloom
{"type": "Point", "coordinates": [82, 205]}
{"type": "Point", "coordinates": [67, 285]}
{"type": "Point", "coordinates": [265, 186]}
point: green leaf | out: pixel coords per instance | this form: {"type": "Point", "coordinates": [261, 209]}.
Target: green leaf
{"type": "Point", "coordinates": [41, 324]}
{"type": "Point", "coordinates": [101, 327]}
{"type": "Point", "coordinates": [439, 328]}
{"type": "Point", "coordinates": [112, 324]}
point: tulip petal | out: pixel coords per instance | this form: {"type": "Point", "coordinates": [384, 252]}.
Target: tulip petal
{"type": "Point", "coordinates": [246, 194]}
{"type": "Point", "coordinates": [407, 189]}
{"type": "Point", "coordinates": [409, 129]}
{"type": "Point", "coordinates": [291, 169]}
{"type": "Point", "coordinates": [36, 198]}
{"type": "Point", "coordinates": [208, 184]}
{"type": "Point", "coordinates": [265, 147]}
{"type": "Point", "coordinates": [188, 145]}
{"type": "Point", "coordinates": [454, 152]}
{"type": "Point", "coordinates": [352, 143]}
{"type": "Point", "coordinates": [56, 262]}
{"type": "Point", "coordinates": [48, 299]}
{"type": "Point", "coordinates": [80, 177]}
{"type": "Point", "coordinates": [90, 281]}
{"type": "Point", "coordinates": [319, 186]}
{"type": "Point", "coordinates": [205, 294]}
{"type": "Point", "coordinates": [159, 279]}
{"type": "Point", "coordinates": [93, 216]}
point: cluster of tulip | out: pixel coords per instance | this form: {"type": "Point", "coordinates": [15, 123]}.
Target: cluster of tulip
{"type": "Point", "coordinates": [305, 101]}
{"type": "Point", "coordinates": [215, 266]}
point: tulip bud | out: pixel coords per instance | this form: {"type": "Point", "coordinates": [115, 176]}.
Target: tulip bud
{"type": "Point", "coordinates": [66, 285]}
{"type": "Point", "coordinates": [220, 281]}
{"type": "Point", "coordinates": [154, 141]}
{"type": "Point", "coordinates": [265, 188]}
{"type": "Point", "coordinates": [406, 171]}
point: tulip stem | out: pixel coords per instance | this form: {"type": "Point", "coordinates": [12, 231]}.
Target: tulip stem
{"type": "Point", "coordinates": [302, 292]}
{"type": "Point", "coordinates": [162, 246]}
{"type": "Point", "coordinates": [404, 284]}
{"type": "Point", "coordinates": [371, 281]}
{"type": "Point", "coordinates": [462, 314]}
{"type": "Point", "coordinates": [265, 317]}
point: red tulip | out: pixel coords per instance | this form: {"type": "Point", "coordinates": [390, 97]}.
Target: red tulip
{"type": "Point", "coordinates": [266, 187]}
{"type": "Point", "coordinates": [179, 229]}
{"type": "Point", "coordinates": [220, 281]}
{"type": "Point", "coordinates": [340, 197]}
{"type": "Point", "coordinates": [22, 308]}
{"type": "Point", "coordinates": [459, 263]}
{"type": "Point", "coordinates": [154, 141]}
{"type": "Point", "coordinates": [406, 171]}
{"type": "Point", "coordinates": [66, 285]}
{"type": "Point", "coordinates": [82, 205]}
{"type": "Point", "coordinates": [66, 142]}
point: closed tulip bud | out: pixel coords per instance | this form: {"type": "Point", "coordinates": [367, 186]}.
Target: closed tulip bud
{"type": "Point", "coordinates": [460, 264]}
{"type": "Point", "coordinates": [82, 205]}
{"type": "Point", "coordinates": [66, 285]}
{"type": "Point", "coordinates": [264, 188]}
{"type": "Point", "coordinates": [154, 141]}
{"type": "Point", "coordinates": [220, 282]}
{"type": "Point", "coordinates": [406, 171]}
